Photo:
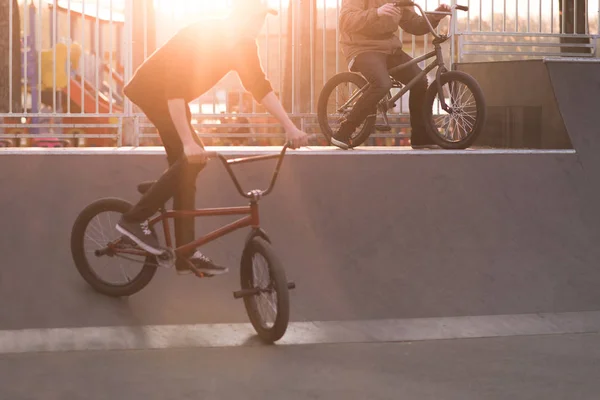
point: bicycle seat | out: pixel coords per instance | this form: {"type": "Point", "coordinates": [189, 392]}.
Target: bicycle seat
{"type": "Point", "coordinates": [144, 186]}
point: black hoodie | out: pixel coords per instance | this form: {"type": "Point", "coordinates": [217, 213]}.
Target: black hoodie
{"type": "Point", "coordinates": [195, 59]}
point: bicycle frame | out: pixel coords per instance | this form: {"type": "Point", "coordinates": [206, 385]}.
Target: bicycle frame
{"type": "Point", "coordinates": [439, 63]}
{"type": "Point", "coordinates": [250, 211]}
{"type": "Point", "coordinates": [251, 219]}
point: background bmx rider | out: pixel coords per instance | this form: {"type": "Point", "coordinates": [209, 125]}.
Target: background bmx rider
{"type": "Point", "coordinates": [184, 68]}
{"type": "Point", "coordinates": [370, 42]}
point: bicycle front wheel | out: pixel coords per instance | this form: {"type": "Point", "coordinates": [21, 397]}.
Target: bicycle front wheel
{"type": "Point", "coordinates": [269, 308]}
{"type": "Point", "coordinates": [462, 125]}
{"type": "Point", "coordinates": [335, 103]}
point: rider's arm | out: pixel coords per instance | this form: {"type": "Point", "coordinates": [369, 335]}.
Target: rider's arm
{"type": "Point", "coordinates": [252, 75]}
{"type": "Point", "coordinates": [274, 107]}
{"type": "Point", "coordinates": [250, 70]}
{"type": "Point", "coordinates": [178, 113]}
{"type": "Point", "coordinates": [414, 23]}
{"type": "Point", "coordinates": [255, 81]}
{"type": "Point", "coordinates": [354, 18]}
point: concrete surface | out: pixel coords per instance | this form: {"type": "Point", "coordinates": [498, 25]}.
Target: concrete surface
{"type": "Point", "coordinates": [366, 235]}
{"type": "Point", "coordinates": [517, 368]}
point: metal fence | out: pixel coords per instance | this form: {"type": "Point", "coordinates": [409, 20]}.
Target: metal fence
{"type": "Point", "coordinates": [496, 30]}
{"type": "Point", "coordinates": [73, 57]}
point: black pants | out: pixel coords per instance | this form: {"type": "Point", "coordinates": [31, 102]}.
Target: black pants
{"type": "Point", "coordinates": [374, 67]}
{"type": "Point", "coordinates": [178, 181]}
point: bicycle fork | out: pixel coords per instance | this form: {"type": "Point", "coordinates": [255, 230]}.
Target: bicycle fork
{"type": "Point", "coordinates": [438, 79]}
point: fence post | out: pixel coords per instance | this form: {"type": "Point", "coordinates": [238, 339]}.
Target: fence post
{"type": "Point", "coordinates": [129, 132]}
{"type": "Point", "coordinates": [573, 21]}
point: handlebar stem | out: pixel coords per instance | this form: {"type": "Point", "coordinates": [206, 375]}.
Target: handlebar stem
{"type": "Point", "coordinates": [253, 194]}
{"type": "Point", "coordinates": [431, 28]}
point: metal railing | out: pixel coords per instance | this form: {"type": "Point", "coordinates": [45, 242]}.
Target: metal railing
{"type": "Point", "coordinates": [74, 56]}
{"type": "Point", "coordinates": [497, 30]}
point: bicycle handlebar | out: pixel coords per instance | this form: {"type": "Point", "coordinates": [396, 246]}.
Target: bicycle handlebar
{"type": "Point", "coordinates": [408, 3]}
{"type": "Point", "coordinates": [254, 193]}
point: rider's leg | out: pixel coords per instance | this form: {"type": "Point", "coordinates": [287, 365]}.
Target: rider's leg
{"type": "Point", "coordinates": [373, 66]}
{"type": "Point", "coordinates": [416, 99]}
{"type": "Point", "coordinates": [185, 232]}
{"type": "Point", "coordinates": [179, 182]}
{"type": "Point", "coordinates": [134, 222]}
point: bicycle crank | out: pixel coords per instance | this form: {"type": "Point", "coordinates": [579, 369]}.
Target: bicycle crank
{"type": "Point", "coordinates": [386, 125]}
{"type": "Point", "coordinates": [166, 259]}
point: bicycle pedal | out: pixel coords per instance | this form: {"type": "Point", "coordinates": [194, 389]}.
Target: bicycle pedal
{"type": "Point", "coordinates": [383, 128]}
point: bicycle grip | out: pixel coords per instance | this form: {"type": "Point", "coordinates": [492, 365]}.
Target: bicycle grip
{"type": "Point", "coordinates": [462, 8]}
{"type": "Point", "coordinates": [405, 3]}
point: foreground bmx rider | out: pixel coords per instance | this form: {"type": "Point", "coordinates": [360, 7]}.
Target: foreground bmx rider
{"type": "Point", "coordinates": [183, 69]}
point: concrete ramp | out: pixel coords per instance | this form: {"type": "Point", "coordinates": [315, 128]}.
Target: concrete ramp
{"type": "Point", "coordinates": [539, 104]}
{"type": "Point", "coordinates": [365, 235]}
{"type": "Point", "coordinates": [576, 86]}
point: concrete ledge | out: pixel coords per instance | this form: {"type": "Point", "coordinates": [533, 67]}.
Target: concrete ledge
{"type": "Point", "coordinates": [298, 333]}
{"type": "Point", "coordinates": [242, 150]}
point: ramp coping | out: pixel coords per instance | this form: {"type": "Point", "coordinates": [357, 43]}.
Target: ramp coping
{"type": "Point", "coordinates": [241, 150]}
{"type": "Point", "coordinates": [571, 59]}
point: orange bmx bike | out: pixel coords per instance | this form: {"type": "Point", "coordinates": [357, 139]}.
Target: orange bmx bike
{"type": "Point", "coordinates": [96, 246]}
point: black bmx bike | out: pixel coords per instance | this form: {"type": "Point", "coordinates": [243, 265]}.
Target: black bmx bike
{"type": "Point", "coordinates": [454, 108]}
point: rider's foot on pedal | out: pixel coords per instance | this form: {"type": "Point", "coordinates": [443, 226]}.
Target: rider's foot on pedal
{"type": "Point", "coordinates": [341, 143]}
{"type": "Point", "coordinates": [425, 146]}
{"type": "Point", "coordinates": [341, 138]}
{"type": "Point", "coordinates": [141, 234]}
{"type": "Point", "coordinates": [203, 264]}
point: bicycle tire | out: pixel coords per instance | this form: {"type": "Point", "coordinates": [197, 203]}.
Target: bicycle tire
{"type": "Point", "coordinates": [81, 262]}
{"type": "Point", "coordinates": [479, 97]}
{"type": "Point", "coordinates": [362, 134]}
{"type": "Point", "coordinates": [278, 280]}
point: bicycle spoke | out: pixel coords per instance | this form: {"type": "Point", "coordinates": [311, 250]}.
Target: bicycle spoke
{"type": "Point", "coordinates": [265, 301]}
{"type": "Point", "coordinates": [96, 230]}
{"type": "Point", "coordinates": [341, 102]}
{"type": "Point", "coordinates": [101, 230]}
{"type": "Point", "coordinates": [460, 122]}
{"type": "Point", "coordinates": [127, 278]}
{"type": "Point", "coordinates": [94, 240]}
{"type": "Point", "coordinates": [114, 268]}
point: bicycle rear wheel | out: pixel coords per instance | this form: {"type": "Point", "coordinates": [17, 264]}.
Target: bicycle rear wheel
{"type": "Point", "coordinates": [333, 106]}
{"type": "Point", "coordinates": [124, 269]}
{"type": "Point", "coordinates": [269, 309]}
{"type": "Point", "coordinates": [462, 126]}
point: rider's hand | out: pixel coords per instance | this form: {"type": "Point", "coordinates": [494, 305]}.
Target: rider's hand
{"type": "Point", "coordinates": [443, 8]}
{"type": "Point", "coordinates": [195, 154]}
{"type": "Point", "coordinates": [390, 10]}
{"type": "Point", "coordinates": [296, 138]}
